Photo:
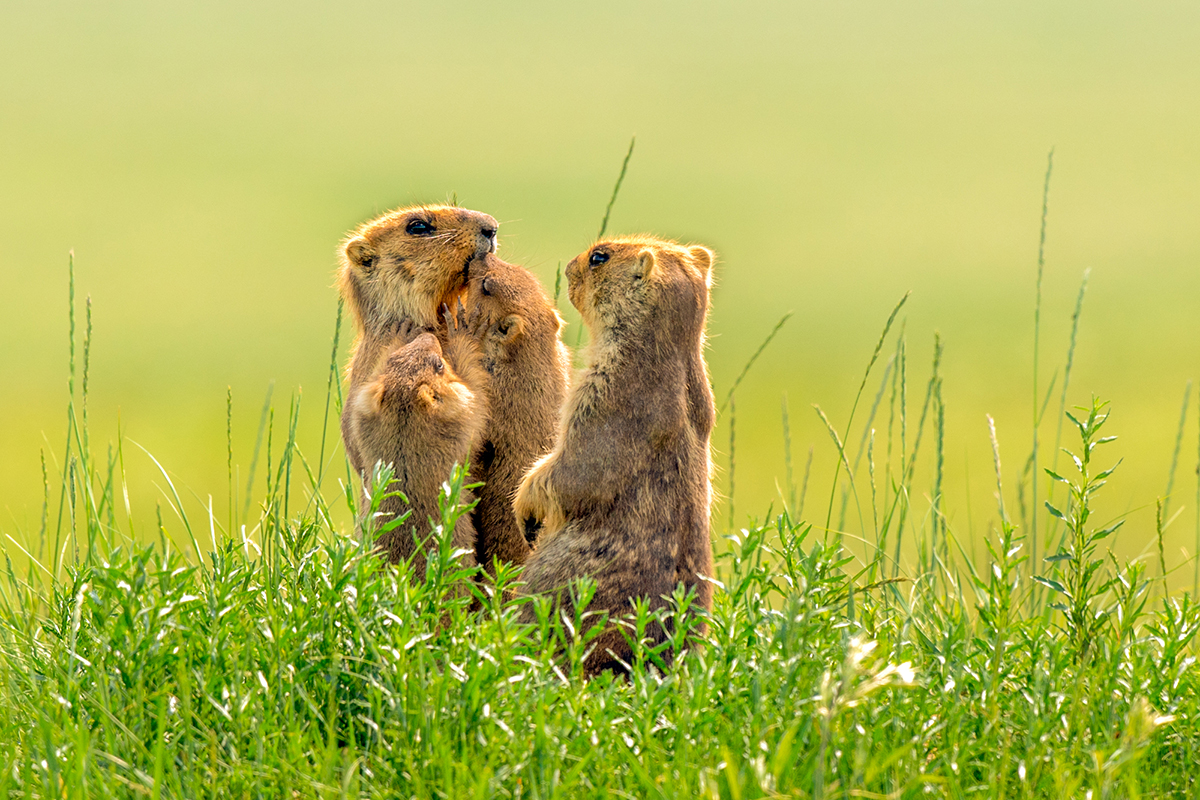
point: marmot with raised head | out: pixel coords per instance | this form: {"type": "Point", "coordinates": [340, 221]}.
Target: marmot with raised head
{"type": "Point", "coordinates": [624, 496]}
{"type": "Point", "coordinates": [423, 412]}
{"type": "Point", "coordinates": [404, 265]}
{"type": "Point", "coordinates": [528, 366]}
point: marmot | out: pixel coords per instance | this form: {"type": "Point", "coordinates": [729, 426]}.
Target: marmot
{"type": "Point", "coordinates": [404, 265]}
{"type": "Point", "coordinates": [624, 496]}
{"type": "Point", "coordinates": [422, 415]}
{"type": "Point", "coordinates": [528, 366]}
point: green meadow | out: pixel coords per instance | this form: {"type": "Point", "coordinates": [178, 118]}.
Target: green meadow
{"type": "Point", "coordinates": [924, 215]}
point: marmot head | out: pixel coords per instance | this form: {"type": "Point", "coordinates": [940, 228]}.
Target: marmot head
{"type": "Point", "coordinates": [415, 389]}
{"type": "Point", "coordinates": [410, 262]}
{"type": "Point", "coordinates": [511, 302]}
{"type": "Point", "coordinates": [641, 281]}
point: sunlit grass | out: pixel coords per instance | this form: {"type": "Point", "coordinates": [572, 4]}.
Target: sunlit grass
{"type": "Point", "coordinates": [266, 652]}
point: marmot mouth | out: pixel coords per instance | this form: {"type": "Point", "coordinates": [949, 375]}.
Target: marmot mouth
{"type": "Point", "coordinates": [466, 270]}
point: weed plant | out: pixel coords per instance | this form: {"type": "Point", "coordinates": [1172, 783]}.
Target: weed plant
{"type": "Point", "coordinates": [281, 658]}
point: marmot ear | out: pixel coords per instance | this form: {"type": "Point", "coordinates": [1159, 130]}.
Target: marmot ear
{"type": "Point", "coordinates": [360, 253]}
{"type": "Point", "coordinates": [647, 265]}
{"type": "Point", "coordinates": [510, 327]}
{"type": "Point", "coordinates": [426, 395]}
{"type": "Point", "coordinates": [372, 397]}
{"type": "Point", "coordinates": [703, 258]}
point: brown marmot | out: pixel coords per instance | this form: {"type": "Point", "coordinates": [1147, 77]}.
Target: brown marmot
{"type": "Point", "coordinates": [422, 415]}
{"type": "Point", "coordinates": [528, 367]}
{"type": "Point", "coordinates": [404, 265]}
{"type": "Point", "coordinates": [624, 496]}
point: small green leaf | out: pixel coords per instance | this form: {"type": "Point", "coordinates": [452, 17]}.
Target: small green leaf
{"type": "Point", "coordinates": [1059, 557]}
{"type": "Point", "coordinates": [1057, 477]}
{"type": "Point", "coordinates": [1054, 512]}
{"type": "Point", "coordinates": [1053, 584]}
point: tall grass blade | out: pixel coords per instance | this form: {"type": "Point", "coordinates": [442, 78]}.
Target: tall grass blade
{"type": "Point", "coordinates": [176, 504]}
{"type": "Point", "coordinates": [1166, 500]}
{"type": "Point", "coordinates": [1037, 331]}
{"type": "Point", "coordinates": [262, 427]}
{"type": "Point", "coordinates": [616, 189]}
{"type": "Point", "coordinates": [732, 455]}
{"type": "Point", "coordinates": [229, 455]}
{"type": "Point", "coordinates": [745, 369]}
{"type": "Point", "coordinates": [333, 378]}
{"type": "Point", "coordinates": [858, 396]}
{"type": "Point", "coordinates": [787, 457]}
{"type": "Point", "coordinates": [1062, 403]}
{"type": "Point", "coordinates": [996, 463]}
{"type": "Point", "coordinates": [837, 443]}
{"type": "Point", "coordinates": [804, 483]}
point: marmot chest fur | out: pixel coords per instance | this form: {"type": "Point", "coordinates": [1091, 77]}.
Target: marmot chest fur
{"type": "Point", "coordinates": [404, 265]}
{"type": "Point", "coordinates": [624, 496]}
{"type": "Point", "coordinates": [423, 412]}
{"type": "Point", "coordinates": [518, 331]}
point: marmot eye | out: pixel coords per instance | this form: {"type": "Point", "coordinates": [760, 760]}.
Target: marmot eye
{"type": "Point", "coordinates": [597, 258]}
{"type": "Point", "coordinates": [439, 366]}
{"type": "Point", "coordinates": [418, 227]}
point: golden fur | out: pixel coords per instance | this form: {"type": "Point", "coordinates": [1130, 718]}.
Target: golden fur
{"type": "Point", "coordinates": [528, 366]}
{"type": "Point", "coordinates": [423, 412]}
{"type": "Point", "coordinates": [404, 266]}
{"type": "Point", "coordinates": [624, 496]}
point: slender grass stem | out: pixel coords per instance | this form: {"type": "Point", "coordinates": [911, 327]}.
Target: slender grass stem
{"type": "Point", "coordinates": [333, 378]}
{"type": "Point", "coordinates": [787, 457]}
{"type": "Point", "coordinates": [858, 396]}
{"type": "Point", "coordinates": [262, 427]}
{"type": "Point", "coordinates": [1166, 500]}
{"type": "Point", "coordinates": [749, 363]}
{"type": "Point", "coordinates": [732, 456]}
{"type": "Point", "coordinates": [1037, 330]}
{"type": "Point", "coordinates": [616, 189]}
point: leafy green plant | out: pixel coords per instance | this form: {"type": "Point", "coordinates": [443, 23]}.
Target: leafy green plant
{"type": "Point", "coordinates": [1076, 563]}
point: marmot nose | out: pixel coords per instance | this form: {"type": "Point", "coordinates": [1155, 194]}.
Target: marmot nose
{"type": "Point", "coordinates": [490, 235]}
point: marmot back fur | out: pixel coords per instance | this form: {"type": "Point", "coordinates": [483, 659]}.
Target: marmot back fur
{"type": "Point", "coordinates": [624, 496]}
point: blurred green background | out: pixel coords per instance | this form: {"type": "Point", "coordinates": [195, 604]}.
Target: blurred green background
{"type": "Point", "coordinates": [203, 161]}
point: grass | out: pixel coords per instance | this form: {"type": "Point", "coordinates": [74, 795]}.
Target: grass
{"type": "Point", "coordinates": [293, 664]}
{"type": "Point", "coordinates": [272, 655]}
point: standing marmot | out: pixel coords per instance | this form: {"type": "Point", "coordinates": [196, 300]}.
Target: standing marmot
{"type": "Point", "coordinates": [422, 415]}
{"type": "Point", "coordinates": [624, 496]}
{"type": "Point", "coordinates": [404, 265]}
{"type": "Point", "coordinates": [518, 329]}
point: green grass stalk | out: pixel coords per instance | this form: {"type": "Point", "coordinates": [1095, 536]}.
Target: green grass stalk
{"type": "Point", "coordinates": [1166, 500]}
{"type": "Point", "coordinates": [1037, 330]}
{"type": "Point", "coordinates": [750, 362]}
{"type": "Point", "coordinates": [616, 189]}
{"type": "Point", "coordinates": [854, 407]}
